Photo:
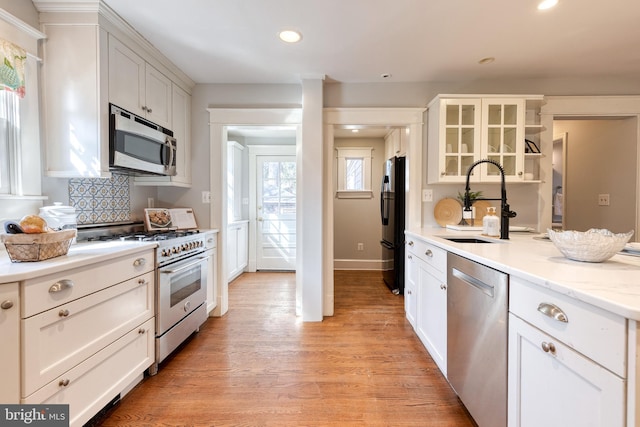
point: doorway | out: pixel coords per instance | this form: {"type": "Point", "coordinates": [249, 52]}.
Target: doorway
{"type": "Point", "coordinates": [598, 184]}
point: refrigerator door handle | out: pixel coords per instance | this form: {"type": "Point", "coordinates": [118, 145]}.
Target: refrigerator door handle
{"type": "Point", "coordinates": [387, 244]}
{"type": "Point", "coordinates": [384, 204]}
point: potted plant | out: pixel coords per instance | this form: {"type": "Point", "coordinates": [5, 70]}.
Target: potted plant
{"type": "Point", "coordinates": [473, 195]}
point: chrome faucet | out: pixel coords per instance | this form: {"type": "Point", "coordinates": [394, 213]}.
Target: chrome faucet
{"type": "Point", "coordinates": [505, 211]}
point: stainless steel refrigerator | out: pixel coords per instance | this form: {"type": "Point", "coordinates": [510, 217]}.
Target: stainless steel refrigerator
{"type": "Point", "coordinates": [392, 201]}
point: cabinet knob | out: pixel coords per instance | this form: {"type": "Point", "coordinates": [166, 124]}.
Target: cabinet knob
{"type": "Point", "coordinates": [141, 281]}
{"type": "Point", "coordinates": [520, 173]}
{"type": "Point", "coordinates": [409, 291]}
{"type": "Point", "coordinates": [6, 305]}
{"type": "Point", "coordinates": [443, 173]}
{"type": "Point", "coordinates": [410, 242]}
{"type": "Point", "coordinates": [63, 313]}
{"type": "Point", "coordinates": [443, 286]}
{"type": "Point", "coordinates": [429, 253]}
{"type": "Point", "coordinates": [142, 331]}
{"type": "Point", "coordinates": [60, 286]}
{"type": "Point", "coordinates": [548, 347]}
{"type": "Point", "coordinates": [139, 262]}
{"type": "Point", "coordinates": [410, 257]}
{"type": "Point", "coordinates": [64, 382]}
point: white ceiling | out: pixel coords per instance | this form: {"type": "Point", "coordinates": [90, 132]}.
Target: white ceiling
{"type": "Point", "coordinates": [356, 41]}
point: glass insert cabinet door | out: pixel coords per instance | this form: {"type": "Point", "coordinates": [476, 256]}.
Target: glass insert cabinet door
{"type": "Point", "coordinates": [461, 140]}
{"type": "Point", "coordinates": [502, 132]}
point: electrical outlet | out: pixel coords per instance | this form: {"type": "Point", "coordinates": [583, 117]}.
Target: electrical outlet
{"type": "Point", "coordinates": [427, 195]}
{"type": "Point", "coordinates": [603, 200]}
{"type": "Point", "coordinates": [361, 246]}
{"type": "Point", "coordinates": [206, 197]}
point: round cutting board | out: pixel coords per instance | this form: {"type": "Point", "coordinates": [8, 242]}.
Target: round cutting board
{"type": "Point", "coordinates": [481, 210]}
{"type": "Point", "coordinates": [447, 212]}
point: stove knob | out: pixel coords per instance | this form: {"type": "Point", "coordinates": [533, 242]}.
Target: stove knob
{"type": "Point", "coordinates": [175, 250]}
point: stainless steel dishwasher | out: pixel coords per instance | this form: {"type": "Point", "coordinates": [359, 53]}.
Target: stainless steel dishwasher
{"type": "Point", "coordinates": [477, 313]}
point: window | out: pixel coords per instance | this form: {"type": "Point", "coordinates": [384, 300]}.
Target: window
{"type": "Point", "coordinates": [9, 141]}
{"type": "Point", "coordinates": [354, 173]}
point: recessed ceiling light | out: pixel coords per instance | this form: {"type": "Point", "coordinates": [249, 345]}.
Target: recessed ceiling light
{"type": "Point", "coordinates": [547, 4]}
{"type": "Point", "coordinates": [290, 36]}
{"type": "Point", "coordinates": [487, 60]}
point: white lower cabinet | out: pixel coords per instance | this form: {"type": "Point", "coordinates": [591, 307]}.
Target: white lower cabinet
{"type": "Point", "coordinates": [410, 288]}
{"type": "Point", "coordinates": [431, 321]}
{"type": "Point", "coordinates": [87, 334]}
{"type": "Point", "coordinates": [567, 361]}
{"type": "Point", "coordinates": [552, 385]}
{"type": "Point", "coordinates": [237, 248]}
{"type": "Point", "coordinates": [10, 333]}
{"type": "Point", "coordinates": [426, 305]}
{"type": "Point", "coordinates": [89, 386]}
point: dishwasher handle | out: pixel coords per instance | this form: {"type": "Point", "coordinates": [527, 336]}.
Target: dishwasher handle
{"type": "Point", "coordinates": [476, 283]}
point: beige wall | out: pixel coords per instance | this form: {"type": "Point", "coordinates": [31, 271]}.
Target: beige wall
{"type": "Point", "coordinates": [23, 9]}
{"type": "Point", "coordinates": [601, 159]}
{"type": "Point", "coordinates": [358, 220]}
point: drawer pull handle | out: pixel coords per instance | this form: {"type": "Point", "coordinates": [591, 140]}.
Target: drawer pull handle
{"type": "Point", "coordinates": [60, 286]}
{"type": "Point", "coordinates": [63, 313]}
{"type": "Point", "coordinates": [139, 262]}
{"type": "Point", "coordinates": [429, 253]}
{"type": "Point", "coordinates": [553, 311]}
{"type": "Point", "coordinates": [64, 382]}
{"type": "Point", "coordinates": [6, 305]}
{"type": "Point", "coordinates": [142, 281]}
{"type": "Point", "coordinates": [410, 242]}
{"type": "Point", "coordinates": [141, 331]}
{"type": "Point", "coordinates": [548, 347]}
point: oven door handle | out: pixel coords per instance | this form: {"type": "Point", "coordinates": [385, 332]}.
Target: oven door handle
{"type": "Point", "coordinates": [184, 267]}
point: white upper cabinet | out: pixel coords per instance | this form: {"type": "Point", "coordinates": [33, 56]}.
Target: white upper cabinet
{"type": "Point", "coordinates": [181, 127]}
{"type": "Point", "coordinates": [137, 86]}
{"type": "Point", "coordinates": [75, 100]}
{"type": "Point", "coordinates": [466, 128]}
{"type": "Point", "coordinates": [85, 67]}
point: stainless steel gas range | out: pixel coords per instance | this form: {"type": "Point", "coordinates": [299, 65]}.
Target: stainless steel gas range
{"type": "Point", "coordinates": [184, 260]}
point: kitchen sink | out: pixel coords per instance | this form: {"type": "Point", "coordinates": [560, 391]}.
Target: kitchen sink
{"type": "Point", "coordinates": [468, 240]}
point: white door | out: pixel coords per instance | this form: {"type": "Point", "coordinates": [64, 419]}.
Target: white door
{"type": "Point", "coordinates": [276, 212]}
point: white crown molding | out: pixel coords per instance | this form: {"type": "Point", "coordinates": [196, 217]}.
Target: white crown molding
{"type": "Point", "coordinates": [21, 25]}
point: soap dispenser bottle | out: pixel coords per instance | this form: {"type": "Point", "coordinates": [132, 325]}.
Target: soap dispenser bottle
{"type": "Point", "coordinates": [491, 223]}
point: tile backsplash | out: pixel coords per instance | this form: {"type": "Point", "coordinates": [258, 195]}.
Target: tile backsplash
{"type": "Point", "coordinates": [100, 200]}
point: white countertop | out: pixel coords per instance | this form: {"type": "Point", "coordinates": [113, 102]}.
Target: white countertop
{"type": "Point", "coordinates": [613, 285]}
{"type": "Point", "coordinates": [79, 254]}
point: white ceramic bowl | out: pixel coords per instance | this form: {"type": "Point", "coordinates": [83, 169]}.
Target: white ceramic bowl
{"type": "Point", "coordinates": [594, 245]}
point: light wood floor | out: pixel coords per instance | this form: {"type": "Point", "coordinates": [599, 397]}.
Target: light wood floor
{"type": "Point", "coordinates": [259, 365]}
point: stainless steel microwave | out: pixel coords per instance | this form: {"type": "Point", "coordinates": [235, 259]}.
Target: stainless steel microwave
{"type": "Point", "coordinates": [138, 145]}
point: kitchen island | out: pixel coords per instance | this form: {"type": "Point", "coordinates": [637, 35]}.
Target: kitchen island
{"type": "Point", "coordinates": [572, 326]}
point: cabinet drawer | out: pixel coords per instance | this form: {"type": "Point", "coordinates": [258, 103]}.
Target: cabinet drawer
{"type": "Point", "coordinates": [55, 341]}
{"type": "Point", "coordinates": [39, 296]}
{"type": "Point", "coordinates": [96, 381]}
{"type": "Point", "coordinates": [596, 333]}
{"type": "Point", "coordinates": [432, 255]}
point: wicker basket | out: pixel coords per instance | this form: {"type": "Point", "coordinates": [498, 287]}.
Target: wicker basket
{"type": "Point", "coordinates": [37, 247]}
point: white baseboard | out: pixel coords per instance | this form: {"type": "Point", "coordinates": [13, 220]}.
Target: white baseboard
{"type": "Point", "coordinates": [358, 264]}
